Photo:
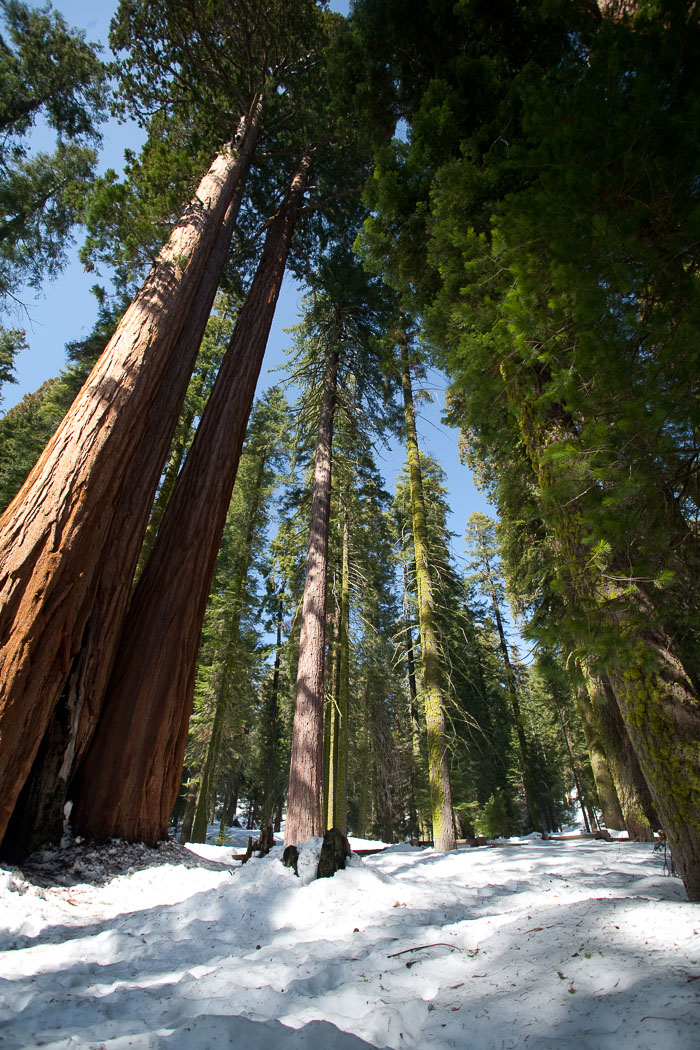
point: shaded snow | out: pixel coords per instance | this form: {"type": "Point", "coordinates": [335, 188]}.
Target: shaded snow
{"type": "Point", "coordinates": [574, 945]}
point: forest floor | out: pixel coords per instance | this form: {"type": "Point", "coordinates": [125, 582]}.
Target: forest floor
{"type": "Point", "coordinates": [573, 945]}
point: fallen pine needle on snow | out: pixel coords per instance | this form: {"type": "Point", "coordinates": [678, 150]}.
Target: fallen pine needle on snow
{"type": "Point", "coordinates": [422, 947]}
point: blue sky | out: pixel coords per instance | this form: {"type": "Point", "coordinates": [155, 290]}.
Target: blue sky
{"type": "Point", "coordinates": [65, 310]}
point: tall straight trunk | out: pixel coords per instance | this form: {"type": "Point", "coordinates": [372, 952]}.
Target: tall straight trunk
{"type": "Point", "coordinates": [410, 667]}
{"type": "Point", "coordinates": [433, 688]}
{"type": "Point", "coordinates": [341, 777]}
{"type": "Point", "coordinates": [330, 725]}
{"type": "Point", "coordinates": [128, 782]}
{"type": "Point", "coordinates": [202, 810]}
{"type": "Point", "coordinates": [55, 534]}
{"type": "Point", "coordinates": [304, 801]}
{"type": "Point", "coordinates": [414, 724]}
{"type": "Point", "coordinates": [365, 767]}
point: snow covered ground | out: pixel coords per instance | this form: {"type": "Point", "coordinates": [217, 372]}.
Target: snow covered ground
{"type": "Point", "coordinates": [573, 945]}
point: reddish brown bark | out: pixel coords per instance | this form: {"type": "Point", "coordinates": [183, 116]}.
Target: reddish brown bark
{"type": "Point", "coordinates": [304, 805]}
{"type": "Point", "coordinates": [38, 813]}
{"type": "Point", "coordinates": [53, 535]}
{"type": "Point", "coordinates": [130, 778]}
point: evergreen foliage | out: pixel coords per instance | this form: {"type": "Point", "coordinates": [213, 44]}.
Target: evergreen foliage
{"type": "Point", "coordinates": [530, 175]}
{"type": "Point", "coordinates": [48, 73]}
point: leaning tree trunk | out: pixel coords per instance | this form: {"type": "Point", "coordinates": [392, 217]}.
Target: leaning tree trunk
{"type": "Point", "coordinates": [55, 534]}
{"type": "Point", "coordinates": [661, 711]}
{"type": "Point", "coordinates": [129, 780]}
{"type": "Point", "coordinates": [630, 786]}
{"type": "Point", "coordinates": [433, 689]}
{"type": "Point", "coordinates": [38, 812]}
{"type": "Point", "coordinates": [658, 703]}
{"type": "Point", "coordinates": [607, 794]}
{"type": "Point", "coordinates": [305, 802]}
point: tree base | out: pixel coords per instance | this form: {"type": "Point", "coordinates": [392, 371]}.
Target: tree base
{"type": "Point", "coordinates": [334, 853]}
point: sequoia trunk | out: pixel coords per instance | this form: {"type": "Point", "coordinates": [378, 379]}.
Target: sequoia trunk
{"type": "Point", "coordinates": [54, 534]}
{"type": "Point", "coordinates": [130, 777]}
{"type": "Point", "coordinates": [38, 813]}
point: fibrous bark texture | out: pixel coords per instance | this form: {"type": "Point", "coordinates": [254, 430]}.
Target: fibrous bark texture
{"type": "Point", "coordinates": [630, 786]}
{"type": "Point", "coordinates": [38, 815]}
{"type": "Point", "coordinates": [54, 534]}
{"type": "Point", "coordinates": [130, 778]}
{"type": "Point", "coordinates": [304, 806]}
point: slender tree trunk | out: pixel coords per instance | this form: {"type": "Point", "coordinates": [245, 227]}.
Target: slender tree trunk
{"type": "Point", "coordinates": [410, 667]}
{"type": "Point", "coordinates": [575, 771]}
{"type": "Point", "coordinates": [56, 538]}
{"type": "Point", "coordinates": [414, 724]}
{"type": "Point", "coordinates": [607, 795]}
{"type": "Point", "coordinates": [203, 807]}
{"type": "Point", "coordinates": [330, 715]}
{"type": "Point", "coordinates": [365, 763]}
{"type": "Point", "coordinates": [129, 779]}
{"type": "Point", "coordinates": [304, 804]}
{"type": "Point", "coordinates": [341, 788]}
{"type": "Point", "coordinates": [438, 766]}
{"type": "Point", "coordinates": [190, 806]}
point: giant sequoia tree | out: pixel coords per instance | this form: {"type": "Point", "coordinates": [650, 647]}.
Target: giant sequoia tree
{"type": "Point", "coordinates": [130, 778]}
{"type": "Point", "coordinates": [160, 315]}
{"type": "Point", "coordinates": [53, 534]}
{"type": "Point", "coordinates": [431, 656]}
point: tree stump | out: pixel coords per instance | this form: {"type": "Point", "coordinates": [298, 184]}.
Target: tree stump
{"type": "Point", "coordinates": [334, 853]}
{"type": "Point", "coordinates": [266, 840]}
{"type": "Point", "coordinates": [290, 858]}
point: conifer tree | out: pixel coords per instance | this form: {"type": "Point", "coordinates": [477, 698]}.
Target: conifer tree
{"type": "Point", "coordinates": [231, 591]}
{"type": "Point", "coordinates": [49, 72]}
{"type": "Point", "coordinates": [338, 339]}
{"type": "Point", "coordinates": [433, 671]}
{"type": "Point", "coordinates": [166, 611]}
